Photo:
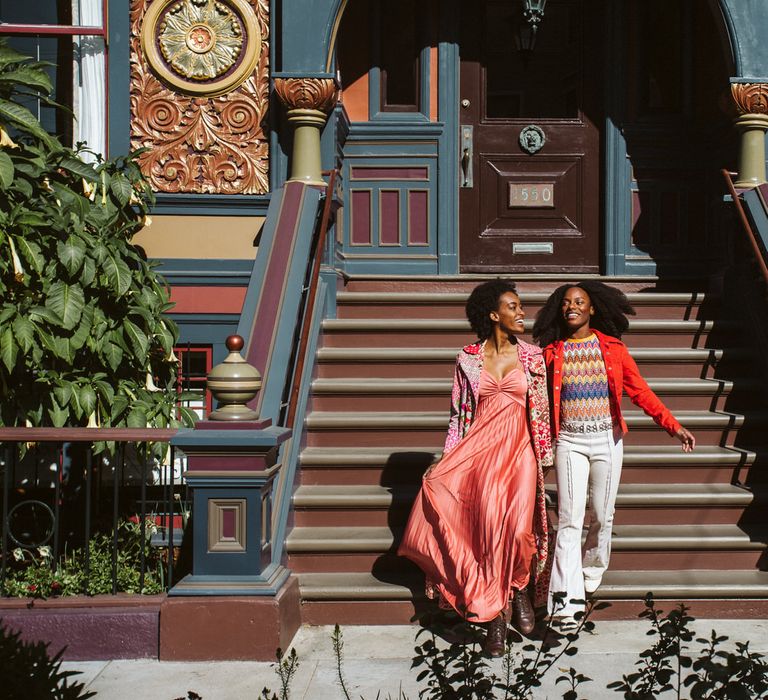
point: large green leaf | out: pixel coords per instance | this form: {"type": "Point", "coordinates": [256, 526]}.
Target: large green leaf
{"type": "Point", "coordinates": [118, 407]}
{"type": "Point", "coordinates": [79, 167]}
{"type": "Point", "coordinates": [113, 354]}
{"type": "Point", "coordinates": [9, 56]}
{"type": "Point", "coordinates": [71, 254]}
{"type": "Point", "coordinates": [59, 416]}
{"type": "Point", "coordinates": [67, 301]}
{"type": "Point", "coordinates": [23, 119]}
{"type": "Point", "coordinates": [88, 272]}
{"type": "Point", "coordinates": [87, 399]}
{"type": "Point", "coordinates": [63, 393]}
{"type": "Point", "coordinates": [83, 330]}
{"type": "Point", "coordinates": [29, 76]}
{"type": "Point", "coordinates": [24, 331]}
{"type": "Point", "coordinates": [6, 169]}
{"type": "Point", "coordinates": [8, 349]}
{"type": "Point", "coordinates": [31, 252]}
{"type": "Point", "coordinates": [41, 313]}
{"type": "Point", "coordinates": [32, 219]}
{"type": "Point", "coordinates": [106, 391]}
{"type": "Point", "coordinates": [137, 340]}
{"type": "Point", "coordinates": [137, 418]}
{"type": "Point", "coordinates": [118, 273]}
{"type": "Point", "coordinates": [121, 188]}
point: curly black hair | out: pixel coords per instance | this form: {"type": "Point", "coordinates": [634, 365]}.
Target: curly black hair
{"type": "Point", "coordinates": [484, 299]}
{"type": "Point", "coordinates": [611, 309]}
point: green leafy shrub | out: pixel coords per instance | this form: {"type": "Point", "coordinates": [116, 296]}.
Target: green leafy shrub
{"type": "Point", "coordinates": [29, 672]}
{"type": "Point", "coordinates": [35, 576]}
{"type": "Point", "coordinates": [84, 339]}
{"type": "Point", "coordinates": [715, 674]}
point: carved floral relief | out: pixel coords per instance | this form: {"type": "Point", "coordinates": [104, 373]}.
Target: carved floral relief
{"type": "Point", "coordinates": [200, 93]}
{"type": "Point", "coordinates": [751, 98]}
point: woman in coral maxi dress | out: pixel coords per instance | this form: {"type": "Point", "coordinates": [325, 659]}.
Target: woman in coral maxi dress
{"type": "Point", "coordinates": [478, 524]}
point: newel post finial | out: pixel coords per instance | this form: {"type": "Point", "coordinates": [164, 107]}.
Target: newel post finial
{"type": "Point", "coordinates": [233, 384]}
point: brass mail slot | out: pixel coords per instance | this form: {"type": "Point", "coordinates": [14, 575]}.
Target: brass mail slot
{"type": "Point", "coordinates": [531, 194]}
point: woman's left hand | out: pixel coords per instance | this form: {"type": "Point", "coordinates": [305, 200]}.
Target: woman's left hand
{"type": "Point", "coordinates": [686, 437]}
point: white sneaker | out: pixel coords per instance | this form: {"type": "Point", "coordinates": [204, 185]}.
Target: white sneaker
{"type": "Point", "coordinates": [592, 584]}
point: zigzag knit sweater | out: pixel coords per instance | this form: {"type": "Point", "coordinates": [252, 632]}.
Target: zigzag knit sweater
{"type": "Point", "coordinates": [584, 395]}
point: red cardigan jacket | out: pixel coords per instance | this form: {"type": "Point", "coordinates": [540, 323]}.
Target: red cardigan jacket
{"type": "Point", "coordinates": [622, 375]}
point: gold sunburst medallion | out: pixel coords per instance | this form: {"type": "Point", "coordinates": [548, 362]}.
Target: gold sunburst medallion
{"type": "Point", "coordinates": [202, 47]}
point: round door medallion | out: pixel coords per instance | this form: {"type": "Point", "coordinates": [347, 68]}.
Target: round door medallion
{"type": "Point", "coordinates": [532, 139]}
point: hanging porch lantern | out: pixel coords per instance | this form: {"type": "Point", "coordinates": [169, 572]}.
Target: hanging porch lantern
{"type": "Point", "coordinates": [533, 13]}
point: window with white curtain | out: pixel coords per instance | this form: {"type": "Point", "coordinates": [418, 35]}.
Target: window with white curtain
{"type": "Point", "coordinates": [70, 35]}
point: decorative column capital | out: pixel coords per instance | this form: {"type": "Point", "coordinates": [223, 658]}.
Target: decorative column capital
{"type": "Point", "coordinates": [750, 98]}
{"type": "Point", "coordinates": [309, 101]}
{"type": "Point", "coordinates": [320, 94]}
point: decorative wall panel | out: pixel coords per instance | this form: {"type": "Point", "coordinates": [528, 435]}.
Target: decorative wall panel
{"type": "Point", "coordinates": [200, 93]}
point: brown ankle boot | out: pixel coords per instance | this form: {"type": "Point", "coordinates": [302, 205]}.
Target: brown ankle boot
{"type": "Point", "coordinates": [496, 638]}
{"type": "Point", "coordinates": [523, 617]}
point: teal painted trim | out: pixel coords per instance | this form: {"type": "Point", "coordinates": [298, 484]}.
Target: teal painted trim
{"type": "Point", "coordinates": [248, 562]}
{"type": "Point", "coordinates": [211, 205]}
{"type": "Point", "coordinates": [448, 149]}
{"type": "Point", "coordinates": [617, 169]}
{"type": "Point", "coordinates": [374, 94]}
{"type": "Point", "coordinates": [273, 578]}
{"type": "Point", "coordinates": [283, 489]}
{"type": "Point", "coordinates": [118, 59]}
{"type": "Point", "coordinates": [192, 272]}
{"type": "Point", "coordinates": [750, 79]}
{"type": "Point", "coordinates": [266, 437]}
{"type": "Point", "coordinates": [405, 131]}
{"type": "Point", "coordinates": [330, 278]}
{"type": "Point", "coordinates": [733, 37]}
{"type": "Point", "coordinates": [393, 266]}
{"type": "Point", "coordinates": [259, 266]}
{"type": "Point", "coordinates": [758, 215]}
{"type": "Point", "coordinates": [275, 375]}
{"type": "Point", "coordinates": [303, 74]}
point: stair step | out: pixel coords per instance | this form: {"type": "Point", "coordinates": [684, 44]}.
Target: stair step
{"type": "Point", "coordinates": [430, 298]}
{"type": "Point", "coordinates": [683, 305]}
{"type": "Point", "coordinates": [373, 496]}
{"type": "Point", "coordinates": [391, 420]}
{"type": "Point", "coordinates": [438, 354]}
{"type": "Point", "coordinates": [625, 537]}
{"type": "Point", "coordinates": [633, 455]}
{"type": "Point", "coordinates": [698, 387]}
{"type": "Point", "coordinates": [403, 325]}
{"type": "Point", "coordinates": [617, 585]}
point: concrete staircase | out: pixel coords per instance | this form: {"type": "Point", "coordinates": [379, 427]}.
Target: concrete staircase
{"type": "Point", "coordinates": [686, 525]}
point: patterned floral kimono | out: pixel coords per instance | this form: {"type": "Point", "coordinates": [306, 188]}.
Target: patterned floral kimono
{"type": "Point", "coordinates": [472, 553]}
{"type": "Point", "coordinates": [464, 397]}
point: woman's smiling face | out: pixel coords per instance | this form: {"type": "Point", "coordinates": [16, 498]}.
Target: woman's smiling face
{"type": "Point", "coordinates": [576, 308]}
{"type": "Point", "coordinates": [510, 314]}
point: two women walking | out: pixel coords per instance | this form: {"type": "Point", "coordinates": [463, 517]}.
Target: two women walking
{"type": "Point", "coordinates": [478, 528]}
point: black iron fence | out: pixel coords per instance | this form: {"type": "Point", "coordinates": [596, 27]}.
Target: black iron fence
{"type": "Point", "coordinates": [90, 510]}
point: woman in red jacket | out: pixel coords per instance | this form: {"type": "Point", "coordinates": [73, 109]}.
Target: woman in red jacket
{"type": "Point", "coordinates": [589, 368]}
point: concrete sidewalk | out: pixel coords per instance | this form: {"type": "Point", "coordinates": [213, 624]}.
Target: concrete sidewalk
{"type": "Point", "coordinates": [379, 659]}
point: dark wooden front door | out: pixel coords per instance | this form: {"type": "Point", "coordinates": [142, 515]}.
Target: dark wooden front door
{"type": "Point", "coordinates": [529, 211]}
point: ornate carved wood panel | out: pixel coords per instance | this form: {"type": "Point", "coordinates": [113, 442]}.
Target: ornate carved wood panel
{"type": "Point", "coordinates": [200, 93]}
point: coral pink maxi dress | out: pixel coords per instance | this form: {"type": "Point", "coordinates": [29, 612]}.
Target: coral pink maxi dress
{"type": "Point", "coordinates": [471, 527]}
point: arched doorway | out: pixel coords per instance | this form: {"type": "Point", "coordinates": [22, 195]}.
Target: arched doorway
{"type": "Point", "coordinates": [597, 149]}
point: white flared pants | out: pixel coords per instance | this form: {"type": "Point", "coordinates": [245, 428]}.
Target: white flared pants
{"type": "Point", "coordinates": [587, 464]}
